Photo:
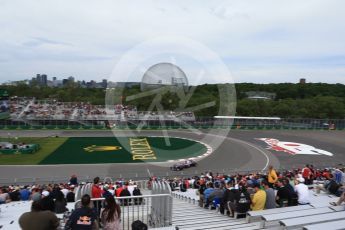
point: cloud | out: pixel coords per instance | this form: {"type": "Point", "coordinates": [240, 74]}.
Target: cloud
{"type": "Point", "coordinates": [266, 35]}
{"type": "Point", "coordinates": [38, 41]}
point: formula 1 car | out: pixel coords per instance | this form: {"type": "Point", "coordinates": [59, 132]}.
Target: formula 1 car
{"type": "Point", "coordinates": [182, 165]}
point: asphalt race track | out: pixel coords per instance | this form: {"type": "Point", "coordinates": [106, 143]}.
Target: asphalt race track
{"type": "Point", "coordinates": [238, 150]}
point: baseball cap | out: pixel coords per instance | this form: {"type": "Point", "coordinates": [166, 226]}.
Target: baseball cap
{"type": "Point", "coordinates": [45, 193]}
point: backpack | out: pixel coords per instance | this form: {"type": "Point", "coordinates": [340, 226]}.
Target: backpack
{"type": "Point", "coordinates": [243, 204]}
{"type": "Point", "coordinates": [243, 199]}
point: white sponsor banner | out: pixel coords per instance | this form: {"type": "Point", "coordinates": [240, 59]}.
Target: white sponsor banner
{"type": "Point", "coordinates": [293, 147]}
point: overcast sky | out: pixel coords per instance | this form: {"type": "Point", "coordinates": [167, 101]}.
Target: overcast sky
{"type": "Point", "coordinates": [259, 41]}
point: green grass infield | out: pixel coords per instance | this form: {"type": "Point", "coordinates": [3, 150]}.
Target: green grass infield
{"type": "Point", "coordinates": [98, 150]}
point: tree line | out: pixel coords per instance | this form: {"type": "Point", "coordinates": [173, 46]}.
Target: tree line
{"type": "Point", "coordinates": [311, 100]}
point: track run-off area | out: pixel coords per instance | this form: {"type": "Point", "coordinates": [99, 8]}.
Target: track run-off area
{"type": "Point", "coordinates": [233, 151]}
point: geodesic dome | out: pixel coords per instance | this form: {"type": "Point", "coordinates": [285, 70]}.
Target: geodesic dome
{"type": "Point", "coordinates": [163, 74]}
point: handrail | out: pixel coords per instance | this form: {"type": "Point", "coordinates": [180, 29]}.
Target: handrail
{"type": "Point", "coordinates": [154, 210]}
{"type": "Point", "coordinates": [128, 197]}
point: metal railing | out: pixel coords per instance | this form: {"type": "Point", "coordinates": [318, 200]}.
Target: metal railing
{"type": "Point", "coordinates": [155, 210]}
{"type": "Point", "coordinates": [198, 123]}
{"type": "Point", "coordinates": [145, 208]}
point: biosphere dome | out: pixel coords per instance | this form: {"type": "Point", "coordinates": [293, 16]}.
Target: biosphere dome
{"type": "Point", "coordinates": [163, 74]}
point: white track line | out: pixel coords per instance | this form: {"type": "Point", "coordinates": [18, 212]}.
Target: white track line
{"type": "Point", "coordinates": [249, 144]}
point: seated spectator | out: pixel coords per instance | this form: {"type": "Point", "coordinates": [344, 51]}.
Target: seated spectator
{"type": "Point", "coordinates": [293, 194]}
{"type": "Point", "coordinates": [249, 186]}
{"type": "Point", "coordinates": [200, 192]}
{"type": "Point", "coordinates": [209, 189]}
{"type": "Point", "coordinates": [38, 219]}
{"type": "Point", "coordinates": [112, 190]}
{"type": "Point", "coordinates": [64, 190]}
{"type": "Point", "coordinates": [289, 183]}
{"type": "Point", "coordinates": [124, 193]}
{"type": "Point", "coordinates": [118, 190]}
{"type": "Point", "coordinates": [326, 173]}
{"type": "Point", "coordinates": [183, 186]}
{"type": "Point", "coordinates": [243, 201]}
{"type": "Point", "coordinates": [306, 174]}
{"type": "Point", "coordinates": [24, 193]}
{"type": "Point", "coordinates": [36, 195]}
{"type": "Point", "coordinates": [55, 190]}
{"type": "Point", "coordinates": [84, 217]}
{"type": "Point", "coordinates": [73, 180]}
{"type": "Point", "coordinates": [4, 196]}
{"type": "Point", "coordinates": [139, 225]}
{"type": "Point", "coordinates": [60, 203]}
{"type": "Point", "coordinates": [284, 195]}
{"type": "Point", "coordinates": [259, 198]}
{"type": "Point", "coordinates": [15, 194]}
{"type": "Point", "coordinates": [172, 185]}
{"type": "Point", "coordinates": [302, 191]}
{"type": "Point", "coordinates": [106, 192]}
{"type": "Point", "coordinates": [47, 202]}
{"type": "Point", "coordinates": [329, 185]}
{"type": "Point", "coordinates": [111, 215]}
{"type": "Point", "coordinates": [215, 195]}
{"type": "Point", "coordinates": [228, 199]}
{"type": "Point", "coordinates": [137, 192]}
{"type": "Point", "coordinates": [332, 186]}
{"type": "Point", "coordinates": [70, 197]}
{"type": "Point", "coordinates": [270, 196]}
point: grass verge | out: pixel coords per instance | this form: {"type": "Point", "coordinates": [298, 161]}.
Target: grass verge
{"type": "Point", "coordinates": [48, 145]}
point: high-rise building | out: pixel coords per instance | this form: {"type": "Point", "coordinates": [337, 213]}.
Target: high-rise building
{"type": "Point", "coordinates": [42, 79]}
{"type": "Point", "coordinates": [104, 83]}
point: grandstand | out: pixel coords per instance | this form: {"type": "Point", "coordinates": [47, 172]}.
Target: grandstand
{"type": "Point", "coordinates": [49, 111]}
{"type": "Point", "coordinates": [4, 104]}
{"type": "Point", "coordinates": [29, 112]}
{"type": "Point", "coordinates": [173, 203]}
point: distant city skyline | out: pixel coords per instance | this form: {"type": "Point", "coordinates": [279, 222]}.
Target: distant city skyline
{"type": "Point", "coordinates": [51, 81]}
{"type": "Point", "coordinates": [266, 41]}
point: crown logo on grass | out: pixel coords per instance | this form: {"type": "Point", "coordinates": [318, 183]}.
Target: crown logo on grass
{"type": "Point", "coordinates": [95, 148]}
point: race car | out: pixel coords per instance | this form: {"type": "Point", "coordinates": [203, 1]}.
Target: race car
{"type": "Point", "coordinates": [182, 165]}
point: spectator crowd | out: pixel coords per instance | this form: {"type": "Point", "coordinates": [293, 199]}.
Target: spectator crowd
{"type": "Point", "coordinates": [30, 108]}
{"type": "Point", "coordinates": [241, 193]}
{"type": "Point", "coordinates": [238, 193]}
{"type": "Point", "coordinates": [51, 199]}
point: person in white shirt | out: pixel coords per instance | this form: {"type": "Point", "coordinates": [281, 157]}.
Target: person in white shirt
{"type": "Point", "coordinates": [302, 191]}
{"type": "Point", "coordinates": [64, 190]}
